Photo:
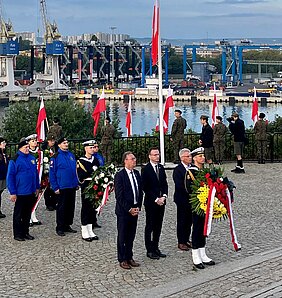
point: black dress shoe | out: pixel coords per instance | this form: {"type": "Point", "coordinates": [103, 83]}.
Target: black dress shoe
{"type": "Point", "coordinates": [31, 224]}
{"type": "Point", "coordinates": [210, 263]}
{"type": "Point", "coordinates": [2, 215]}
{"type": "Point", "coordinates": [60, 233]}
{"type": "Point", "coordinates": [95, 238]}
{"type": "Point", "coordinates": [96, 225]}
{"type": "Point", "coordinates": [160, 254]}
{"type": "Point", "coordinates": [152, 255]}
{"type": "Point", "coordinates": [28, 237]}
{"type": "Point", "coordinates": [70, 230]}
{"type": "Point", "coordinates": [50, 208]}
{"type": "Point", "coordinates": [19, 238]}
{"type": "Point", "coordinates": [87, 239]}
{"type": "Point", "coordinates": [199, 266]}
{"type": "Point", "coordinates": [37, 223]}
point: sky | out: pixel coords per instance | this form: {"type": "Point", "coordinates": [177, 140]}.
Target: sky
{"type": "Point", "coordinates": [180, 19]}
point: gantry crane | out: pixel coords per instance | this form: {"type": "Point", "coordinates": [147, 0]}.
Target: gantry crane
{"type": "Point", "coordinates": [54, 49]}
{"type": "Point", "coordinates": [9, 48]}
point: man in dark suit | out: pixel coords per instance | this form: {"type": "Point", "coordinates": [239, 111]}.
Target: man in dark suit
{"type": "Point", "coordinates": [156, 189]}
{"type": "Point", "coordinates": [181, 199]}
{"type": "Point", "coordinates": [129, 196]}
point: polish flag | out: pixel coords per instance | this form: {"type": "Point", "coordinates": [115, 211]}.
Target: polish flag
{"type": "Point", "coordinates": [255, 107]}
{"type": "Point", "coordinates": [128, 121]}
{"type": "Point", "coordinates": [100, 107]}
{"type": "Point", "coordinates": [214, 107]}
{"type": "Point", "coordinates": [40, 125]}
{"type": "Point", "coordinates": [155, 35]}
{"type": "Point", "coordinates": [168, 104]}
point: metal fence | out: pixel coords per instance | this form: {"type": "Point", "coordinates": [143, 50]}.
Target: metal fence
{"type": "Point", "coordinates": [140, 145]}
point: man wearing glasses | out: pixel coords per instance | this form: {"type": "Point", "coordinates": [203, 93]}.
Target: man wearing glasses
{"type": "Point", "coordinates": [129, 196]}
{"type": "Point", "coordinates": [156, 189]}
{"type": "Point", "coordinates": [64, 182]}
{"type": "Point", "coordinates": [181, 199]}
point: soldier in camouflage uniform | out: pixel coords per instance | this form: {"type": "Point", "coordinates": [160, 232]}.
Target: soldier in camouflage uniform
{"type": "Point", "coordinates": [219, 132]}
{"type": "Point", "coordinates": [107, 132]}
{"type": "Point", "coordinates": [260, 130]}
{"type": "Point", "coordinates": [56, 130]}
{"type": "Point", "coordinates": [177, 134]}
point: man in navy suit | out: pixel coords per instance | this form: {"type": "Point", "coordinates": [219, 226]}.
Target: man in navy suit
{"type": "Point", "coordinates": [129, 196]}
{"type": "Point", "coordinates": [181, 199]}
{"type": "Point", "coordinates": [156, 189]}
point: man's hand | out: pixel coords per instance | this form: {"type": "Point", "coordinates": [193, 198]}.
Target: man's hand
{"type": "Point", "coordinates": [134, 211]}
{"type": "Point", "coordinates": [200, 142]}
{"type": "Point", "coordinates": [160, 201]}
{"type": "Point", "coordinates": [13, 198]}
{"type": "Point", "coordinates": [57, 192]}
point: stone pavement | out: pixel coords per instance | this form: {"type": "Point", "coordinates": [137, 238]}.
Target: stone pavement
{"type": "Point", "coordinates": [53, 266]}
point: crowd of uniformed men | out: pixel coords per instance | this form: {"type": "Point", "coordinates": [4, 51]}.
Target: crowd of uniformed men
{"type": "Point", "coordinates": [54, 172]}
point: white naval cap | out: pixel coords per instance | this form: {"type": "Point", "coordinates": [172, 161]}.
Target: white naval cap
{"type": "Point", "coordinates": [31, 137]}
{"type": "Point", "coordinates": [90, 143]}
{"type": "Point", "coordinates": [198, 151]}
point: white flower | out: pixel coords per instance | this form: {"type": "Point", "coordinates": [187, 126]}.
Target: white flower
{"type": "Point", "coordinates": [104, 185]}
{"type": "Point", "coordinates": [94, 168]}
{"type": "Point", "coordinates": [106, 180]}
{"type": "Point", "coordinates": [102, 175]}
{"type": "Point", "coordinates": [45, 159]}
{"type": "Point", "coordinates": [96, 180]}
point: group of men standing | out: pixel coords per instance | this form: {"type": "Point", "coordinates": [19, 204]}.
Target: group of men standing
{"type": "Point", "coordinates": [129, 188]}
{"type": "Point", "coordinates": [213, 140]}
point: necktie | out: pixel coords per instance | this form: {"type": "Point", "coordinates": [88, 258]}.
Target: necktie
{"type": "Point", "coordinates": [157, 171]}
{"type": "Point", "coordinates": [136, 193]}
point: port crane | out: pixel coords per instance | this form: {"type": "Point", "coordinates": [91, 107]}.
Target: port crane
{"type": "Point", "coordinates": [54, 49]}
{"type": "Point", "coordinates": [9, 48]}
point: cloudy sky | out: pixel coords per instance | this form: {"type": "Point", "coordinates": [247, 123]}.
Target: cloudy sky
{"type": "Point", "coordinates": [179, 18]}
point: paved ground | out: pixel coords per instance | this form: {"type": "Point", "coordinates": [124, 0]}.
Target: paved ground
{"type": "Point", "coordinates": [52, 266]}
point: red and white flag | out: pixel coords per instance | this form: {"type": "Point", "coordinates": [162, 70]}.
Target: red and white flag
{"type": "Point", "coordinates": [100, 107]}
{"type": "Point", "coordinates": [215, 111]}
{"type": "Point", "coordinates": [155, 35]}
{"type": "Point", "coordinates": [255, 107]}
{"type": "Point", "coordinates": [40, 125]}
{"type": "Point", "coordinates": [128, 121]}
{"type": "Point", "coordinates": [168, 104]}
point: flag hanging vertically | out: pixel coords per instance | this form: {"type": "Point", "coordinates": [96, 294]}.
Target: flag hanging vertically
{"type": "Point", "coordinates": [128, 121]}
{"type": "Point", "coordinates": [155, 34]}
{"type": "Point", "coordinates": [40, 125]}
{"type": "Point", "coordinates": [100, 107]}
{"type": "Point", "coordinates": [255, 107]}
{"type": "Point", "coordinates": [215, 111]}
{"type": "Point", "coordinates": [168, 104]}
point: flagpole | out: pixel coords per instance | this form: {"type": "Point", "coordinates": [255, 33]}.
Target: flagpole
{"type": "Point", "coordinates": [130, 100]}
{"type": "Point", "coordinates": [160, 69]}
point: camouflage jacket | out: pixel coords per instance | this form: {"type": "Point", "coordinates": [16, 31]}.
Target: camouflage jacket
{"type": "Point", "coordinates": [219, 132]}
{"type": "Point", "coordinates": [260, 130]}
{"type": "Point", "coordinates": [178, 126]}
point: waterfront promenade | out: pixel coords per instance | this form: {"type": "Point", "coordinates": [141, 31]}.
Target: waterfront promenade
{"type": "Point", "coordinates": [52, 266]}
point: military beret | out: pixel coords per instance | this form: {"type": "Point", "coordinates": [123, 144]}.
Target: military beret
{"type": "Point", "coordinates": [31, 137]}
{"type": "Point", "coordinates": [61, 140]}
{"type": "Point", "coordinates": [178, 111]}
{"type": "Point", "coordinates": [235, 114]}
{"type": "Point", "coordinates": [89, 143]}
{"type": "Point", "coordinates": [50, 137]}
{"type": "Point", "coordinates": [2, 140]}
{"type": "Point", "coordinates": [198, 151]}
{"type": "Point", "coordinates": [22, 143]}
{"type": "Point", "coordinates": [261, 115]}
{"type": "Point", "coordinates": [219, 118]}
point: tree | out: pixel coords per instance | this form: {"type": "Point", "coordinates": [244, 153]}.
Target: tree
{"type": "Point", "coordinates": [20, 119]}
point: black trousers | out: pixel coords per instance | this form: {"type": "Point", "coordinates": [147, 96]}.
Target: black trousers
{"type": "Point", "coordinates": [126, 226]}
{"type": "Point", "coordinates": [22, 212]}
{"type": "Point", "coordinates": [65, 208]}
{"type": "Point", "coordinates": [88, 212]}
{"type": "Point", "coordinates": [198, 238]}
{"type": "Point", "coordinates": [154, 222]}
{"type": "Point", "coordinates": [50, 198]}
{"type": "Point", "coordinates": [184, 222]}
